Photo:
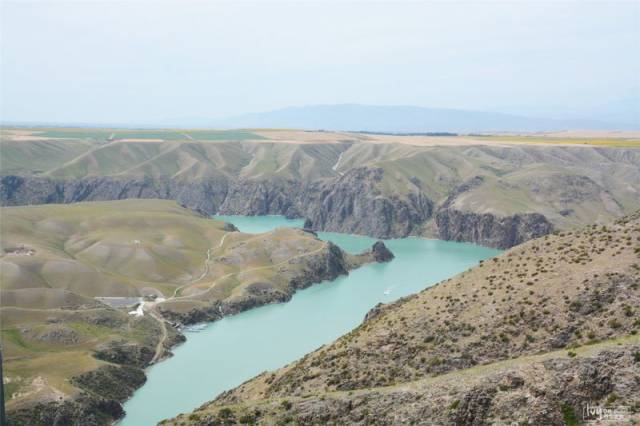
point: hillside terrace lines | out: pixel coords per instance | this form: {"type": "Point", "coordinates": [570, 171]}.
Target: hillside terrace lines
{"type": "Point", "coordinates": [171, 147]}
{"type": "Point", "coordinates": [163, 338]}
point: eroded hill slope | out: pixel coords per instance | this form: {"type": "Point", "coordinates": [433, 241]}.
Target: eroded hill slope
{"type": "Point", "coordinates": [493, 190]}
{"type": "Point", "coordinates": [534, 334]}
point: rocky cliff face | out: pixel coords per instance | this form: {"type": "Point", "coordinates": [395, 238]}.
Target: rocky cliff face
{"type": "Point", "coordinates": [489, 230]}
{"type": "Point", "coordinates": [205, 195]}
{"type": "Point", "coordinates": [381, 253]}
{"type": "Point", "coordinates": [377, 189]}
{"type": "Point", "coordinates": [352, 203]}
{"type": "Point", "coordinates": [484, 228]}
{"type": "Point", "coordinates": [99, 403]}
{"type": "Point", "coordinates": [254, 198]}
{"type": "Point", "coordinates": [85, 410]}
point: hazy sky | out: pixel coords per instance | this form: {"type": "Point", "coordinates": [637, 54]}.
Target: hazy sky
{"type": "Point", "coordinates": [145, 62]}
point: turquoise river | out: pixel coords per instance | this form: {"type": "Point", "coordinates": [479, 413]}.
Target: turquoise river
{"type": "Point", "coordinates": [223, 354]}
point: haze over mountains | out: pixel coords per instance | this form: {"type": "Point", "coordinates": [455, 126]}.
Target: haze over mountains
{"type": "Point", "coordinates": [622, 115]}
{"type": "Point", "coordinates": [414, 119]}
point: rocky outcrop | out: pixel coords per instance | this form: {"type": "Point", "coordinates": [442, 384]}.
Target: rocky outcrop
{"type": "Point", "coordinates": [99, 403]}
{"type": "Point", "coordinates": [555, 391]}
{"type": "Point", "coordinates": [99, 392]}
{"type": "Point", "coordinates": [491, 230]}
{"type": "Point", "coordinates": [84, 410]}
{"type": "Point", "coordinates": [461, 189]}
{"type": "Point", "coordinates": [485, 228]}
{"type": "Point", "coordinates": [126, 353]}
{"type": "Point", "coordinates": [326, 265]}
{"type": "Point", "coordinates": [111, 382]}
{"type": "Point", "coordinates": [352, 203]}
{"type": "Point", "coordinates": [381, 253]}
{"type": "Point", "coordinates": [377, 189]}
{"type": "Point", "coordinates": [204, 313]}
{"type": "Point", "coordinates": [258, 197]}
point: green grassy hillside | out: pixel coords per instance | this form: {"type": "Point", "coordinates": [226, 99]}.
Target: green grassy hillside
{"type": "Point", "coordinates": [105, 248]}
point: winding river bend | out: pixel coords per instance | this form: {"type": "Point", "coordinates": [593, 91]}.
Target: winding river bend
{"type": "Point", "coordinates": [223, 354]}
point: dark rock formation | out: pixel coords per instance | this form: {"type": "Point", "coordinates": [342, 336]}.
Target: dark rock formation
{"type": "Point", "coordinates": [84, 410]}
{"type": "Point", "coordinates": [104, 389]}
{"type": "Point", "coordinates": [485, 228]}
{"type": "Point", "coordinates": [461, 189]}
{"type": "Point", "coordinates": [354, 204]}
{"type": "Point", "coordinates": [254, 198]}
{"type": "Point", "coordinates": [490, 230]}
{"type": "Point", "coordinates": [208, 313]}
{"type": "Point", "coordinates": [351, 203]}
{"type": "Point", "coordinates": [126, 354]}
{"type": "Point", "coordinates": [230, 227]}
{"type": "Point", "coordinates": [381, 253]}
{"type": "Point", "coordinates": [111, 382]}
{"type": "Point", "coordinates": [204, 195]}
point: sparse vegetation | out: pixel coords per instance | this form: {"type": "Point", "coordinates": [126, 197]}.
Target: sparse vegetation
{"type": "Point", "coordinates": [435, 340]}
{"type": "Point", "coordinates": [569, 416]}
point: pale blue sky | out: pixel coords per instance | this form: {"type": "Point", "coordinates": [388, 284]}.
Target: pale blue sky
{"type": "Point", "coordinates": [147, 62]}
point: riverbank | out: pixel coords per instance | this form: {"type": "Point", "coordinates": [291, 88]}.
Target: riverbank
{"type": "Point", "coordinates": [147, 252]}
{"type": "Point", "coordinates": [224, 353]}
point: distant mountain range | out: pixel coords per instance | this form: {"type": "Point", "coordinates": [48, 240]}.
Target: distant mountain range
{"type": "Point", "coordinates": [409, 119]}
{"type": "Point", "coordinates": [621, 115]}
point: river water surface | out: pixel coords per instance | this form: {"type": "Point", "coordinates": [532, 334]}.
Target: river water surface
{"type": "Point", "coordinates": [223, 354]}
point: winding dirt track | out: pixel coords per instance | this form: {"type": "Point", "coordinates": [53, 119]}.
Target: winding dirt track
{"type": "Point", "coordinates": [160, 345]}
{"type": "Point", "coordinates": [158, 317]}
